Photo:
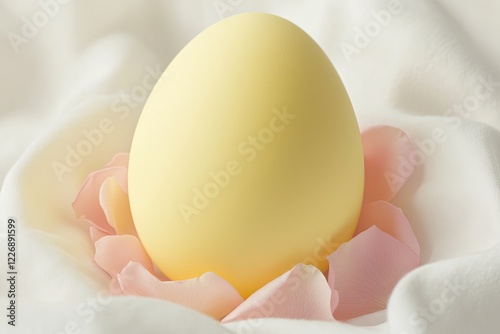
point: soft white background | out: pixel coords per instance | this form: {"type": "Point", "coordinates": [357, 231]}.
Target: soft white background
{"type": "Point", "coordinates": [84, 61]}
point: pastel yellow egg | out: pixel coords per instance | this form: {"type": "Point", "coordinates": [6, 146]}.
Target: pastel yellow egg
{"type": "Point", "coordinates": [247, 157]}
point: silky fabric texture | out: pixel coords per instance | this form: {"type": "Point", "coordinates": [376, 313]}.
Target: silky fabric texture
{"type": "Point", "coordinates": [84, 73]}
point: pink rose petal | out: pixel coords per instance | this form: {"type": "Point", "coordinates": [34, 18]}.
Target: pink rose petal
{"type": "Point", "coordinates": [116, 207]}
{"type": "Point", "coordinates": [301, 293]}
{"type": "Point", "coordinates": [86, 204]}
{"type": "Point", "coordinates": [366, 269]}
{"type": "Point", "coordinates": [96, 234]}
{"type": "Point", "coordinates": [119, 160]}
{"type": "Point", "coordinates": [114, 252]}
{"type": "Point", "coordinates": [115, 288]}
{"type": "Point", "coordinates": [389, 219]}
{"type": "Point", "coordinates": [386, 151]}
{"type": "Point", "coordinates": [208, 294]}
{"type": "Point", "coordinates": [334, 300]}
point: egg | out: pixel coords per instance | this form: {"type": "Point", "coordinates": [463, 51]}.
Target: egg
{"type": "Point", "coordinates": [247, 156]}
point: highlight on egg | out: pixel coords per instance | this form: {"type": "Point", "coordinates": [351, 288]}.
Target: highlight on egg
{"type": "Point", "coordinates": [247, 157]}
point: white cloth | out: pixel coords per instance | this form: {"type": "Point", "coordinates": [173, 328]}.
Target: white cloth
{"type": "Point", "coordinates": [76, 68]}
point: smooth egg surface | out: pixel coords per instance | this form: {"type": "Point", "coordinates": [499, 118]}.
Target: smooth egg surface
{"type": "Point", "coordinates": [247, 157]}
